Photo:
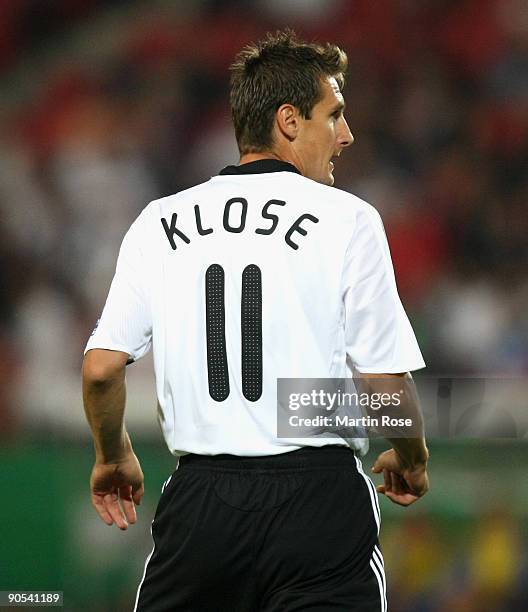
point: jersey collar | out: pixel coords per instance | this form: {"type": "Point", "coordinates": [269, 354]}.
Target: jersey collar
{"type": "Point", "coordinates": [260, 166]}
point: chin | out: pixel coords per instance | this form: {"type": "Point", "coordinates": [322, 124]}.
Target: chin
{"type": "Point", "coordinates": [328, 180]}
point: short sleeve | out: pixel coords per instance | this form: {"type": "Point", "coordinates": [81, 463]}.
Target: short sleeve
{"type": "Point", "coordinates": [378, 335]}
{"type": "Point", "coordinates": [125, 324]}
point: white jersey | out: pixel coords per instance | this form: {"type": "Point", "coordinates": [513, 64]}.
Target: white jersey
{"type": "Point", "coordinates": [257, 274]}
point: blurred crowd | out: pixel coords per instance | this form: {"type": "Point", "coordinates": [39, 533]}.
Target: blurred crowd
{"type": "Point", "coordinates": [108, 105]}
{"type": "Point", "coordinates": [433, 566]}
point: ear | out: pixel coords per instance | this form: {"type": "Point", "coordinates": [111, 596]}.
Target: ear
{"type": "Point", "coordinates": [288, 121]}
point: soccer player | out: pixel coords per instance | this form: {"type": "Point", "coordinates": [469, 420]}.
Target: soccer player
{"type": "Point", "coordinates": [263, 272]}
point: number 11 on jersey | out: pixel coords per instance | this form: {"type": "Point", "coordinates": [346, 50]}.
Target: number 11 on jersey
{"type": "Point", "coordinates": [251, 332]}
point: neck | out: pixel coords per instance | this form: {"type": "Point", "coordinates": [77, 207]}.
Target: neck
{"type": "Point", "coordinates": [285, 156]}
{"type": "Point", "coordinates": [246, 158]}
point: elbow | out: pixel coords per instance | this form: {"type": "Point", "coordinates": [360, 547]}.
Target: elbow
{"type": "Point", "coordinates": [103, 368]}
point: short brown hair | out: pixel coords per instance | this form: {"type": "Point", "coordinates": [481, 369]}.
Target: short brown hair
{"type": "Point", "coordinates": [278, 70]}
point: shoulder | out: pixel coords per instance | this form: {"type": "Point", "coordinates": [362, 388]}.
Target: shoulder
{"type": "Point", "coordinates": [171, 201]}
{"type": "Point", "coordinates": [339, 202]}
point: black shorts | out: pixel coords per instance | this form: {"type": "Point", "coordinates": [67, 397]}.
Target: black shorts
{"type": "Point", "coordinates": [297, 531]}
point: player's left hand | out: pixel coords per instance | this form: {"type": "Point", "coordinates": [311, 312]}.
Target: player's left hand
{"type": "Point", "coordinates": [116, 489]}
{"type": "Point", "coordinates": [403, 485]}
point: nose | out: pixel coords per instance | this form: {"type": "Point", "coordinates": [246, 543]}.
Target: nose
{"type": "Point", "coordinates": [344, 137]}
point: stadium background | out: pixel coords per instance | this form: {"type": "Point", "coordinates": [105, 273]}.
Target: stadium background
{"type": "Point", "coordinates": [105, 105]}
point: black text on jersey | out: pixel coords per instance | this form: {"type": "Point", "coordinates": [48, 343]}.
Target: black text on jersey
{"type": "Point", "coordinates": [172, 231]}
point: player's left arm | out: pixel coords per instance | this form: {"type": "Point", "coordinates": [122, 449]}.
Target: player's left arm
{"type": "Point", "coordinates": [382, 347]}
{"type": "Point", "coordinates": [116, 482]}
{"type": "Point", "coordinates": [404, 467]}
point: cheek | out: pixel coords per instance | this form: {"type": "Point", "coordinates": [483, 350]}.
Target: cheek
{"type": "Point", "coordinates": [326, 139]}
{"type": "Point", "coordinates": [332, 135]}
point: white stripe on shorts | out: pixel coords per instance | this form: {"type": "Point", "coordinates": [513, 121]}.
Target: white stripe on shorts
{"type": "Point", "coordinates": [372, 492]}
{"type": "Point", "coordinates": [164, 486]}
{"type": "Point", "coordinates": [377, 564]}
{"type": "Point", "coordinates": [144, 572]}
{"type": "Point", "coordinates": [383, 603]}
{"type": "Point", "coordinates": [166, 483]}
{"type": "Point", "coordinates": [380, 556]}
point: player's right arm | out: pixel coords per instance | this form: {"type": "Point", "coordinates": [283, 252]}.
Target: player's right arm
{"type": "Point", "coordinates": [122, 335]}
{"type": "Point", "coordinates": [116, 481]}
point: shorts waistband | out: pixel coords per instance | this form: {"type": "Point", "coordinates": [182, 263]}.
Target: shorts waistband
{"type": "Point", "coordinates": [309, 457]}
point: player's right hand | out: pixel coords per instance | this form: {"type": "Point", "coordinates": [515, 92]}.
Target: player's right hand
{"type": "Point", "coordinates": [403, 485]}
{"type": "Point", "coordinates": [116, 488]}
